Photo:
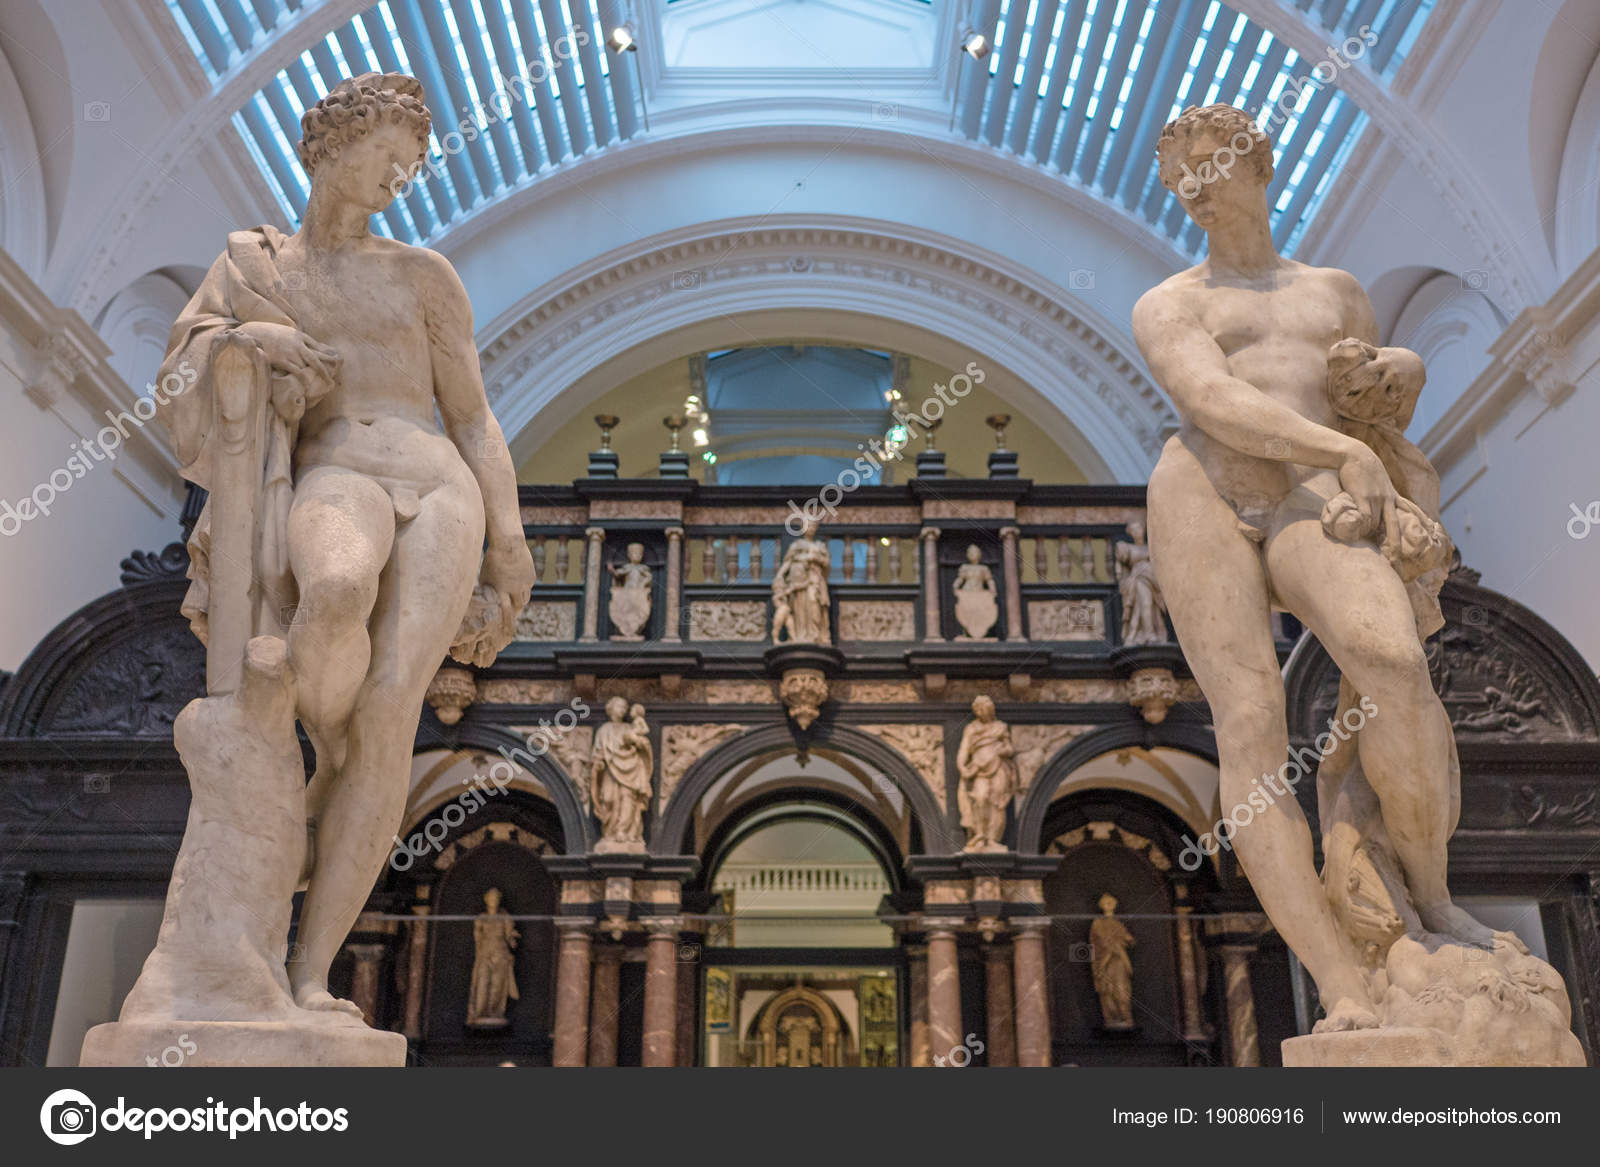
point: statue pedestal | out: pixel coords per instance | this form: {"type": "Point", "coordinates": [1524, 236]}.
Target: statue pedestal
{"type": "Point", "coordinates": [242, 1043]}
{"type": "Point", "coordinates": [1415, 1046]}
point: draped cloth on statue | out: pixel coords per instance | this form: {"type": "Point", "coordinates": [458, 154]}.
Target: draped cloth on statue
{"type": "Point", "coordinates": [243, 286]}
{"type": "Point", "coordinates": [982, 755]}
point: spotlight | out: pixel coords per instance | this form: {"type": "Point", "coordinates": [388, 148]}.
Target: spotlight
{"type": "Point", "coordinates": [975, 44]}
{"type": "Point", "coordinates": [700, 437]}
{"type": "Point", "coordinates": [621, 39]}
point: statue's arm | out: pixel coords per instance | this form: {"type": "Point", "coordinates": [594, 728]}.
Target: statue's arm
{"type": "Point", "coordinates": [1187, 363]}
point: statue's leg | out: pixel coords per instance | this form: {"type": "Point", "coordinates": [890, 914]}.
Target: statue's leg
{"type": "Point", "coordinates": [341, 530]}
{"type": "Point", "coordinates": [1355, 604]}
{"type": "Point", "coordinates": [424, 595]}
{"type": "Point", "coordinates": [1216, 591]}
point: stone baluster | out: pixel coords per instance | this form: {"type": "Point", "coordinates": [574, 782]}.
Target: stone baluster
{"type": "Point", "coordinates": [674, 601]}
{"type": "Point", "coordinates": [572, 991]}
{"type": "Point", "coordinates": [661, 991]}
{"type": "Point", "coordinates": [1063, 558]}
{"type": "Point", "coordinates": [1013, 569]}
{"type": "Point", "coordinates": [540, 551]}
{"type": "Point", "coordinates": [930, 584]}
{"type": "Point", "coordinates": [894, 559]}
{"type": "Point", "coordinates": [1002, 1031]}
{"type": "Point", "coordinates": [944, 990]}
{"type": "Point", "coordinates": [847, 566]}
{"type": "Point", "coordinates": [708, 559]}
{"type": "Point", "coordinates": [1032, 989]}
{"type": "Point", "coordinates": [591, 585]}
{"type": "Point", "coordinates": [1086, 558]}
{"type": "Point", "coordinates": [605, 1005]}
{"type": "Point", "coordinates": [756, 567]}
{"type": "Point", "coordinates": [563, 557]}
{"type": "Point", "coordinates": [871, 575]}
{"type": "Point", "coordinates": [1041, 559]}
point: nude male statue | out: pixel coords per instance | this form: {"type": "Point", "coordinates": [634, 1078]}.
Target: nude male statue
{"type": "Point", "coordinates": [373, 548]}
{"type": "Point", "coordinates": [1241, 344]}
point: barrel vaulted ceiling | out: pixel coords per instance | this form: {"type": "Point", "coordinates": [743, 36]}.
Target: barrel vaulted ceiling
{"type": "Point", "coordinates": [1078, 89]}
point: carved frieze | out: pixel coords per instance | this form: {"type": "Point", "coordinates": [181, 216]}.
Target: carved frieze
{"type": "Point", "coordinates": [544, 620]}
{"type": "Point", "coordinates": [136, 687]}
{"type": "Point", "coordinates": [877, 620]}
{"type": "Point", "coordinates": [922, 746]}
{"type": "Point", "coordinates": [1086, 516]}
{"type": "Point", "coordinates": [876, 692]}
{"type": "Point", "coordinates": [668, 509]}
{"type": "Point", "coordinates": [740, 693]}
{"type": "Point", "coordinates": [514, 691]}
{"type": "Point", "coordinates": [727, 620]}
{"type": "Point", "coordinates": [554, 516]}
{"type": "Point", "coordinates": [1035, 745]}
{"type": "Point", "coordinates": [680, 746]}
{"type": "Point", "coordinates": [1067, 619]}
{"type": "Point", "coordinates": [1082, 691]}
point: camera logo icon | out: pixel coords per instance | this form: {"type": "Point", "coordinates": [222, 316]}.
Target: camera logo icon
{"type": "Point", "coordinates": [68, 1117]}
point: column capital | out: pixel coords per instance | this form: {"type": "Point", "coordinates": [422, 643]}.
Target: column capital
{"type": "Point", "coordinates": [1010, 532]}
{"type": "Point", "coordinates": [366, 952]}
{"type": "Point", "coordinates": [659, 926]}
{"type": "Point", "coordinates": [674, 532]}
{"type": "Point", "coordinates": [574, 926]}
{"type": "Point", "coordinates": [929, 533]}
{"type": "Point", "coordinates": [595, 534]}
{"type": "Point", "coordinates": [941, 927]}
{"type": "Point", "coordinates": [1029, 925]}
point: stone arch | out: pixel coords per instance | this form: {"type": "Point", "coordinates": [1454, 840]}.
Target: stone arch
{"type": "Point", "coordinates": [1576, 212]}
{"type": "Point", "coordinates": [577, 827]}
{"type": "Point", "coordinates": [1192, 739]}
{"type": "Point", "coordinates": [835, 1033]}
{"type": "Point", "coordinates": [672, 829]}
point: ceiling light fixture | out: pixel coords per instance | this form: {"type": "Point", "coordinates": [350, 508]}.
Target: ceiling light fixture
{"type": "Point", "coordinates": [975, 44]}
{"type": "Point", "coordinates": [622, 40]}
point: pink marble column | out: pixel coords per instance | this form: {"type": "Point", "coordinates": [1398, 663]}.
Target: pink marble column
{"type": "Point", "coordinates": [944, 990]}
{"type": "Point", "coordinates": [661, 992]}
{"type": "Point", "coordinates": [1002, 1027]}
{"type": "Point", "coordinates": [1032, 987]}
{"type": "Point", "coordinates": [416, 969]}
{"type": "Point", "coordinates": [1194, 1028]}
{"type": "Point", "coordinates": [1011, 566]}
{"type": "Point", "coordinates": [603, 1006]}
{"type": "Point", "coordinates": [930, 584]}
{"type": "Point", "coordinates": [917, 1006]}
{"type": "Point", "coordinates": [591, 584]}
{"type": "Point", "coordinates": [688, 1045]}
{"type": "Point", "coordinates": [572, 992]}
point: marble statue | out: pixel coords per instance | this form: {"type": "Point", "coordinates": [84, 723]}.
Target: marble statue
{"type": "Point", "coordinates": [1142, 622]}
{"type": "Point", "coordinates": [630, 595]}
{"type": "Point", "coordinates": [620, 770]}
{"type": "Point", "coordinates": [800, 591]}
{"type": "Point", "coordinates": [339, 556]}
{"type": "Point", "coordinates": [976, 609]}
{"type": "Point", "coordinates": [1290, 484]}
{"type": "Point", "coordinates": [494, 972]}
{"type": "Point", "coordinates": [1112, 965]}
{"type": "Point", "coordinates": [988, 773]}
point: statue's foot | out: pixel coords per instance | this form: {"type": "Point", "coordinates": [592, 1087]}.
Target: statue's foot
{"type": "Point", "coordinates": [1514, 941]}
{"type": "Point", "coordinates": [1346, 1015]}
{"type": "Point", "coordinates": [1445, 919]}
{"type": "Point", "coordinates": [316, 999]}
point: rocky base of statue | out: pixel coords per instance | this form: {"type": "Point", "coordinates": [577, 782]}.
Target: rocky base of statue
{"type": "Point", "coordinates": [216, 980]}
{"type": "Point", "coordinates": [1458, 1000]}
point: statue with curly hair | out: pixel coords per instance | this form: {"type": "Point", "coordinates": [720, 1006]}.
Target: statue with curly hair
{"type": "Point", "coordinates": [1289, 486]}
{"type": "Point", "coordinates": [340, 424]}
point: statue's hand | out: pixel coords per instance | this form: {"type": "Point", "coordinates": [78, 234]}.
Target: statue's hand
{"type": "Point", "coordinates": [1366, 481]}
{"type": "Point", "coordinates": [508, 569]}
{"type": "Point", "coordinates": [303, 369]}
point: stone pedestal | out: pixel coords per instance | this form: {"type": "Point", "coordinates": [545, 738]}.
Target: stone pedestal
{"type": "Point", "coordinates": [243, 1043]}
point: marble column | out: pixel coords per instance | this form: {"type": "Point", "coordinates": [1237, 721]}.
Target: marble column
{"type": "Point", "coordinates": [1011, 565]}
{"type": "Point", "coordinates": [661, 992]}
{"type": "Point", "coordinates": [591, 584]}
{"type": "Point", "coordinates": [920, 1053]}
{"type": "Point", "coordinates": [998, 1002]}
{"type": "Point", "coordinates": [364, 978]}
{"type": "Point", "coordinates": [1243, 1037]}
{"type": "Point", "coordinates": [688, 1047]}
{"type": "Point", "coordinates": [604, 1005]}
{"type": "Point", "coordinates": [572, 991]}
{"type": "Point", "coordinates": [930, 585]}
{"type": "Point", "coordinates": [416, 968]}
{"type": "Point", "coordinates": [944, 990]}
{"type": "Point", "coordinates": [1032, 989]}
{"type": "Point", "coordinates": [1188, 976]}
{"type": "Point", "coordinates": [670, 608]}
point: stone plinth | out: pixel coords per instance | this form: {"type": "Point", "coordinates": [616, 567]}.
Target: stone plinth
{"type": "Point", "coordinates": [242, 1043]}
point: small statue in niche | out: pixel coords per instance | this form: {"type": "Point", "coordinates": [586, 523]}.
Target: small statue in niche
{"type": "Point", "coordinates": [494, 979]}
{"type": "Point", "coordinates": [800, 591]}
{"type": "Point", "coordinates": [1142, 605]}
{"type": "Point", "coordinates": [620, 770]}
{"type": "Point", "coordinates": [630, 595]}
{"type": "Point", "coordinates": [988, 777]}
{"type": "Point", "coordinates": [976, 609]}
{"type": "Point", "coordinates": [1109, 942]}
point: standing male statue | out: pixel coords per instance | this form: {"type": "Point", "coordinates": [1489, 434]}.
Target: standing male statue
{"type": "Point", "coordinates": [341, 426]}
{"type": "Point", "coordinates": [1269, 497]}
